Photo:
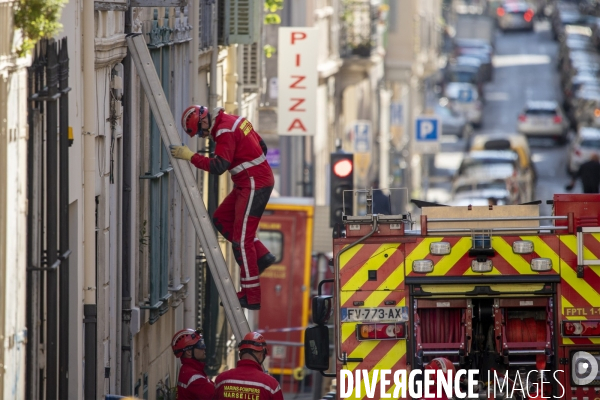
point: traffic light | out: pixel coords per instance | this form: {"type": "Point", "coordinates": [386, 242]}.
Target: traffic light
{"type": "Point", "coordinates": [342, 179]}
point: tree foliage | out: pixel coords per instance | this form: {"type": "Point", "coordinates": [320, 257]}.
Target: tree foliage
{"type": "Point", "coordinates": [272, 18]}
{"type": "Point", "coordinates": [37, 19]}
{"type": "Point", "coordinates": [271, 8]}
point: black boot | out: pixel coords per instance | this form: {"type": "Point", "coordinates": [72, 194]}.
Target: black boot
{"type": "Point", "coordinates": [265, 262]}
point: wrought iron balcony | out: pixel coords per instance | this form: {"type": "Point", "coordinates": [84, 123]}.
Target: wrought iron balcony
{"type": "Point", "coordinates": [358, 33]}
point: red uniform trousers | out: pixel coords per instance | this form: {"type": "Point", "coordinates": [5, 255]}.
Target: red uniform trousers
{"type": "Point", "coordinates": [237, 219]}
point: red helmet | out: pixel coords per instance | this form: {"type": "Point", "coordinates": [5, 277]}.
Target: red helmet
{"type": "Point", "coordinates": [253, 341]}
{"type": "Point", "coordinates": [192, 118]}
{"type": "Point", "coordinates": [186, 339]}
{"type": "Point", "coordinates": [442, 364]}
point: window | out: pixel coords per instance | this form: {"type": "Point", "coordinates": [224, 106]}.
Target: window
{"type": "Point", "coordinates": [591, 143]}
{"type": "Point", "coordinates": [273, 240]}
{"type": "Point", "coordinates": [157, 176]}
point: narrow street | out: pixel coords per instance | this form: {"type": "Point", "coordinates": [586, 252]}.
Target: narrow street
{"type": "Point", "coordinates": [524, 69]}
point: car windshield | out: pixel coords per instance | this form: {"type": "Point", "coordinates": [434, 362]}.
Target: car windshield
{"type": "Point", "coordinates": [591, 143]}
{"type": "Point", "coordinates": [443, 111]}
{"type": "Point", "coordinates": [542, 112]}
{"type": "Point", "coordinates": [462, 76]}
{"type": "Point", "coordinates": [486, 167]}
{"type": "Point", "coordinates": [501, 185]}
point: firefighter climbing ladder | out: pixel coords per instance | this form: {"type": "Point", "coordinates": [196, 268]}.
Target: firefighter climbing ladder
{"type": "Point", "coordinates": [187, 182]}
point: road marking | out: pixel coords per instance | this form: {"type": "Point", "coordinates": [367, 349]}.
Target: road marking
{"type": "Point", "coordinates": [515, 60]}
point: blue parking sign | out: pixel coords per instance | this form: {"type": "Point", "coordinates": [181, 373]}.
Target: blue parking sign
{"type": "Point", "coordinates": [427, 129]}
{"type": "Point", "coordinates": [427, 135]}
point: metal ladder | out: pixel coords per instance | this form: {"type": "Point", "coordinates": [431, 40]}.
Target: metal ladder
{"type": "Point", "coordinates": [187, 182]}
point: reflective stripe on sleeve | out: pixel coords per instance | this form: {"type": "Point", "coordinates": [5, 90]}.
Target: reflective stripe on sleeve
{"type": "Point", "coordinates": [192, 379]}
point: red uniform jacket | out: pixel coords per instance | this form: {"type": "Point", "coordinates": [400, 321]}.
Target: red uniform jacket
{"type": "Point", "coordinates": [193, 384]}
{"type": "Point", "coordinates": [240, 150]}
{"type": "Point", "coordinates": [247, 382]}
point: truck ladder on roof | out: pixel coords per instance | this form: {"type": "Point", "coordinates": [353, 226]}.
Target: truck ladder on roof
{"type": "Point", "coordinates": [187, 182]}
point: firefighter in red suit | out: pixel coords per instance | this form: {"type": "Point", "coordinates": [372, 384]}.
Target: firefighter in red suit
{"type": "Point", "coordinates": [241, 151]}
{"type": "Point", "coordinates": [248, 380]}
{"type": "Point", "coordinates": [193, 384]}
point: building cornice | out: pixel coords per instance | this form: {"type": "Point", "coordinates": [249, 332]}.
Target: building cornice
{"type": "Point", "coordinates": [110, 50]}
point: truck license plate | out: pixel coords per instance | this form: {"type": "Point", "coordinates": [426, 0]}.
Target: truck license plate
{"type": "Point", "coordinates": [375, 314]}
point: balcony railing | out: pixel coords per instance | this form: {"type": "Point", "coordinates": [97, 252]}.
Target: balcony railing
{"type": "Point", "coordinates": [358, 33]}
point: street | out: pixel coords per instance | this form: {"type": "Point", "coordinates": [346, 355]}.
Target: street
{"type": "Point", "coordinates": [524, 69]}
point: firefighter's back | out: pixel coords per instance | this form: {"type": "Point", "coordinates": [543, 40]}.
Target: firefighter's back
{"type": "Point", "coordinates": [247, 381]}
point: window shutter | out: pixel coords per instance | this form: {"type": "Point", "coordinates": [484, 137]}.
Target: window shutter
{"type": "Point", "coordinates": [251, 66]}
{"type": "Point", "coordinates": [244, 21]}
{"type": "Point", "coordinates": [223, 21]}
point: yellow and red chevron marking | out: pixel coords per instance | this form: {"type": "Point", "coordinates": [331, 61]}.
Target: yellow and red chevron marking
{"type": "Point", "coordinates": [579, 296]}
{"type": "Point", "coordinates": [505, 261]}
{"type": "Point", "coordinates": [387, 259]}
{"type": "Point", "coordinates": [376, 354]}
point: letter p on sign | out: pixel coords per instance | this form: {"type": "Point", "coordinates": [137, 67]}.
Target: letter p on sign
{"type": "Point", "coordinates": [427, 127]}
{"type": "Point", "coordinates": [298, 36]}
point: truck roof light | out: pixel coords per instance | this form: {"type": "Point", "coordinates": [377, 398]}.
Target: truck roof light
{"type": "Point", "coordinates": [522, 247]}
{"type": "Point", "coordinates": [481, 266]}
{"type": "Point", "coordinates": [381, 331]}
{"type": "Point", "coordinates": [422, 266]}
{"type": "Point", "coordinates": [541, 264]}
{"type": "Point", "coordinates": [440, 248]}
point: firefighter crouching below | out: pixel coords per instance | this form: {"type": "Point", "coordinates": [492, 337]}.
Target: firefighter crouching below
{"type": "Point", "coordinates": [248, 381]}
{"type": "Point", "coordinates": [240, 150]}
{"type": "Point", "coordinates": [193, 384]}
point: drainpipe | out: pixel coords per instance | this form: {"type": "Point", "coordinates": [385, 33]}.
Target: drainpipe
{"type": "Point", "coordinates": [126, 342]}
{"type": "Point", "coordinates": [215, 56]}
{"type": "Point", "coordinates": [89, 201]}
{"type": "Point", "coordinates": [193, 11]}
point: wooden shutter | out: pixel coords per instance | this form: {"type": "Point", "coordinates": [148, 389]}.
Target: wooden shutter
{"type": "Point", "coordinates": [251, 66]}
{"type": "Point", "coordinates": [244, 21]}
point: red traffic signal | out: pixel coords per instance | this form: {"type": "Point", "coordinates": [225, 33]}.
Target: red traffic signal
{"type": "Point", "coordinates": [342, 184]}
{"type": "Point", "coordinates": [343, 168]}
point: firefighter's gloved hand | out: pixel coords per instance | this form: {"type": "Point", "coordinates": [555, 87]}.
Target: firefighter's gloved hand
{"type": "Point", "coordinates": [182, 152]}
{"type": "Point", "coordinates": [569, 187]}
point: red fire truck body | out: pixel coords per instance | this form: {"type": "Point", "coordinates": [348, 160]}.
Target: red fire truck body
{"type": "Point", "coordinates": [491, 289]}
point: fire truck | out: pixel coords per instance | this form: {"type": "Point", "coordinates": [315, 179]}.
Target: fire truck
{"type": "Point", "coordinates": [496, 289]}
{"type": "Point", "coordinates": [286, 228]}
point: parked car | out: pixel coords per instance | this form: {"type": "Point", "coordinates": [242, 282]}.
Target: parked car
{"type": "Point", "coordinates": [505, 141]}
{"type": "Point", "coordinates": [585, 144]}
{"type": "Point", "coordinates": [510, 141]}
{"type": "Point", "coordinates": [479, 191]}
{"type": "Point", "coordinates": [515, 16]}
{"type": "Point", "coordinates": [466, 74]}
{"type": "Point", "coordinates": [453, 123]}
{"type": "Point", "coordinates": [478, 48]}
{"type": "Point", "coordinates": [545, 119]}
{"type": "Point", "coordinates": [498, 164]}
{"type": "Point", "coordinates": [464, 99]}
